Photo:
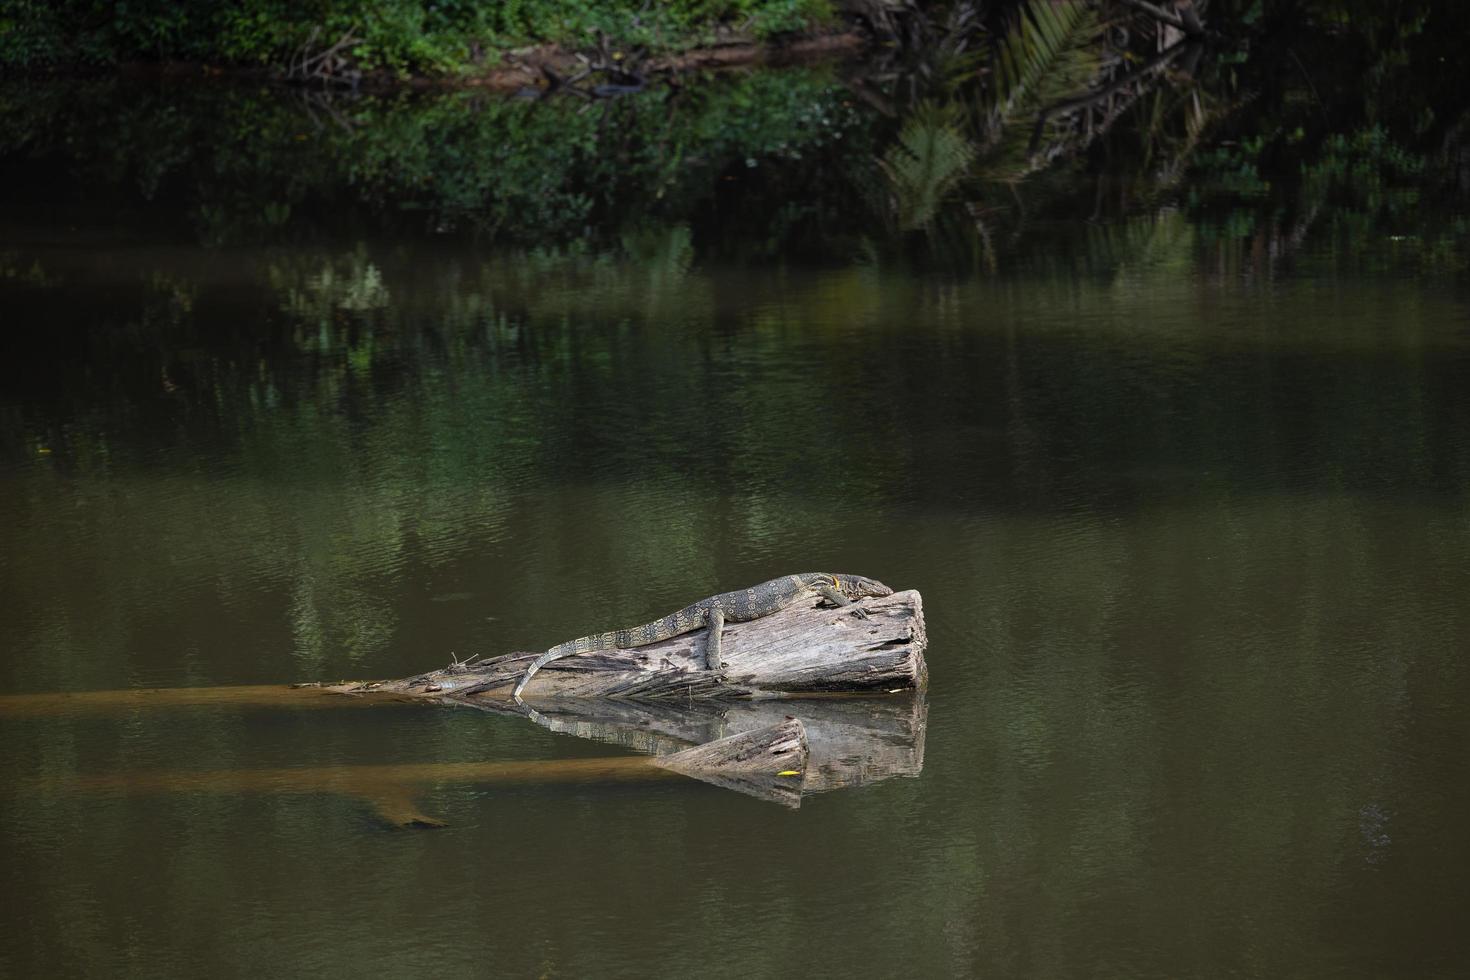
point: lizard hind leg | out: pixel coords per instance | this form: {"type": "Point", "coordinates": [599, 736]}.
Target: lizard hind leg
{"type": "Point", "coordinates": [714, 617]}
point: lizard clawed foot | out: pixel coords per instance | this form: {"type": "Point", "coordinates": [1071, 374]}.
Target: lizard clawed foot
{"type": "Point", "coordinates": [860, 613]}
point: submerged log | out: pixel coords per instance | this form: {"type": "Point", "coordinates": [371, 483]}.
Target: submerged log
{"type": "Point", "coordinates": [800, 650]}
{"type": "Point", "coordinates": [768, 763]}
{"type": "Point", "coordinates": [140, 699]}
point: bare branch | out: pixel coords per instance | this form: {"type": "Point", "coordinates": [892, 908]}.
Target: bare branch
{"type": "Point", "coordinates": [1188, 23]}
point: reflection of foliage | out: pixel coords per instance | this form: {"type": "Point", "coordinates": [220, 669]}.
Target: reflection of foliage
{"type": "Point", "coordinates": [251, 434]}
{"type": "Point", "coordinates": [355, 285]}
{"type": "Point", "coordinates": [31, 272]}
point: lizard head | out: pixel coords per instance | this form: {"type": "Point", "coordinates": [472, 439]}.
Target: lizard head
{"type": "Point", "coordinates": [858, 586]}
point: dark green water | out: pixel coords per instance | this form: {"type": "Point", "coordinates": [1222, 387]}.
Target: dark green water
{"type": "Point", "coordinates": [1191, 529]}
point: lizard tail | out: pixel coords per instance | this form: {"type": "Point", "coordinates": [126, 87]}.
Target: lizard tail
{"type": "Point", "coordinates": [536, 665]}
{"type": "Point", "coordinates": [586, 644]}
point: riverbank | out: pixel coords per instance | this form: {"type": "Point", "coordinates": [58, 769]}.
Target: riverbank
{"type": "Point", "coordinates": [552, 65]}
{"type": "Point", "coordinates": [419, 42]}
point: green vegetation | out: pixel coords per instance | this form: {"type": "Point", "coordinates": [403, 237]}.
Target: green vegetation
{"type": "Point", "coordinates": [239, 166]}
{"type": "Point", "coordinates": [1285, 124]}
{"type": "Point", "coordinates": [399, 36]}
{"type": "Point", "coordinates": [967, 136]}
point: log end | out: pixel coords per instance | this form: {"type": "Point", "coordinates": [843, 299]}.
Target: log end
{"type": "Point", "coordinates": [769, 751]}
{"type": "Point", "coordinates": [768, 763]}
{"type": "Point", "coordinates": [874, 646]}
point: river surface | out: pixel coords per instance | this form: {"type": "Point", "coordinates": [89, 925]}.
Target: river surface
{"type": "Point", "coordinates": [1192, 538]}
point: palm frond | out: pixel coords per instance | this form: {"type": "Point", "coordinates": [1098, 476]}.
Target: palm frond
{"type": "Point", "coordinates": [1048, 55]}
{"type": "Point", "coordinates": [931, 156]}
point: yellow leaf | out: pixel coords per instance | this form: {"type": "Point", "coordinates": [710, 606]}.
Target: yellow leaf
{"type": "Point", "coordinates": [789, 772]}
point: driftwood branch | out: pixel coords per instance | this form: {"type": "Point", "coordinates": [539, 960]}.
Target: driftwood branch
{"type": "Point", "coordinates": [1193, 26]}
{"type": "Point", "coordinates": [326, 64]}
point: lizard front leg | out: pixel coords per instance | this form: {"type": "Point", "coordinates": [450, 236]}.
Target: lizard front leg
{"type": "Point", "coordinates": [838, 599]}
{"type": "Point", "coordinates": [714, 617]}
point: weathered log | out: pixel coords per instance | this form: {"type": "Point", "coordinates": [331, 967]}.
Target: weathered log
{"type": "Point", "coordinates": [802, 649]}
{"type": "Point", "coordinates": [751, 762]}
{"type": "Point", "coordinates": [799, 650]}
